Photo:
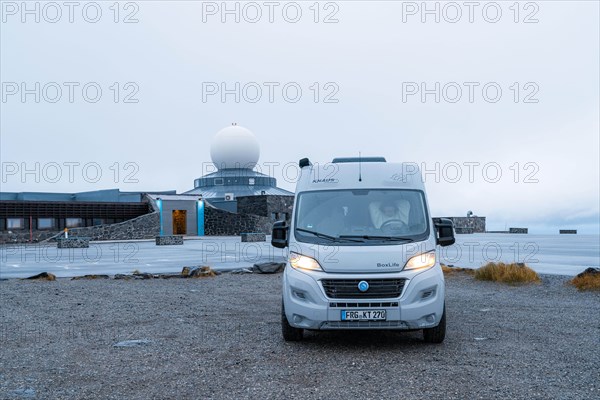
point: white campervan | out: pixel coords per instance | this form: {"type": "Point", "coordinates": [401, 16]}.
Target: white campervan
{"type": "Point", "coordinates": [362, 251]}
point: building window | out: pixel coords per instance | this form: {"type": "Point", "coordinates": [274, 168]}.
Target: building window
{"type": "Point", "coordinates": [250, 181]}
{"type": "Point", "coordinates": [45, 223]}
{"type": "Point", "coordinates": [97, 221]}
{"type": "Point", "coordinates": [284, 216]}
{"type": "Point", "coordinates": [218, 181]}
{"type": "Point", "coordinates": [14, 223]}
{"type": "Point", "coordinates": [74, 222]}
{"type": "Point", "coordinates": [274, 216]}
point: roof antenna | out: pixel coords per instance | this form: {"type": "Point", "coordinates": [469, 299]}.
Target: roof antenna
{"type": "Point", "coordinates": [359, 168]}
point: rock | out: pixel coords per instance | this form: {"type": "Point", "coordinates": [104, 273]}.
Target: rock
{"type": "Point", "coordinates": [86, 277]}
{"type": "Point", "coordinates": [44, 276]}
{"type": "Point", "coordinates": [241, 271]}
{"type": "Point", "coordinates": [268, 268]}
{"type": "Point", "coordinates": [142, 275]}
{"type": "Point", "coordinates": [202, 272]}
{"type": "Point", "coordinates": [590, 270]}
{"type": "Point", "coordinates": [185, 271]}
{"type": "Point", "coordinates": [169, 240]}
{"type": "Point", "coordinates": [132, 343]}
{"type": "Point", "coordinates": [123, 276]}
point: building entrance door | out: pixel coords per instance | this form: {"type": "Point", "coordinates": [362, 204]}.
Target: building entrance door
{"type": "Point", "coordinates": [179, 222]}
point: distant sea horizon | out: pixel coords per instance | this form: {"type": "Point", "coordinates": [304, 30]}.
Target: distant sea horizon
{"type": "Point", "coordinates": [557, 254]}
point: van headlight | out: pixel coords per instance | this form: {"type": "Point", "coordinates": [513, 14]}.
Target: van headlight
{"type": "Point", "coordinates": [422, 261]}
{"type": "Point", "coordinates": [304, 262]}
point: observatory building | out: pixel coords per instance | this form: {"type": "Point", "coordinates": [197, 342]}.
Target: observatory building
{"type": "Point", "coordinates": [235, 152]}
{"type": "Point", "coordinates": [232, 200]}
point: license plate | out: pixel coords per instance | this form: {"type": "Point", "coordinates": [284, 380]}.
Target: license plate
{"type": "Point", "coordinates": [364, 315]}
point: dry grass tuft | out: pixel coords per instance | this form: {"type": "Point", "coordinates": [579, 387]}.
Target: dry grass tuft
{"type": "Point", "coordinates": [513, 273]}
{"type": "Point", "coordinates": [586, 281]}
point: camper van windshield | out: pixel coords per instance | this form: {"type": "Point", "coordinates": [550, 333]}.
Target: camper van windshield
{"type": "Point", "coordinates": [361, 216]}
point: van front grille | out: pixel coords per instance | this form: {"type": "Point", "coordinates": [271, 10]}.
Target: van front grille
{"type": "Point", "coordinates": [363, 305]}
{"type": "Point", "coordinates": [348, 288]}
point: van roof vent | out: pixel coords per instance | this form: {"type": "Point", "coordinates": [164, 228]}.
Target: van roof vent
{"type": "Point", "coordinates": [358, 159]}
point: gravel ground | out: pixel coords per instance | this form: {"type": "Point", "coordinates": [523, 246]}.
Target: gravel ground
{"type": "Point", "coordinates": [220, 338]}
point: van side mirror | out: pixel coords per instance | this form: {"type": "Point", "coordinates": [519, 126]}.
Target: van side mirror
{"type": "Point", "coordinates": [279, 236]}
{"type": "Point", "coordinates": [445, 231]}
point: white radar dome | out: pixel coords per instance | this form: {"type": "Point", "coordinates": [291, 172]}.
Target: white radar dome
{"type": "Point", "coordinates": [234, 147]}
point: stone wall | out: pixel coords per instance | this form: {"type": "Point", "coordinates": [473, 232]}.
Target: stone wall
{"type": "Point", "coordinates": [219, 222]}
{"type": "Point", "coordinates": [468, 224]}
{"type": "Point", "coordinates": [280, 204]}
{"type": "Point", "coordinates": [73, 243]}
{"type": "Point", "coordinates": [142, 227]}
{"type": "Point", "coordinates": [567, 231]}
{"type": "Point", "coordinates": [518, 230]}
{"type": "Point", "coordinates": [23, 236]}
{"type": "Point", "coordinates": [254, 215]}
{"type": "Point", "coordinates": [266, 205]}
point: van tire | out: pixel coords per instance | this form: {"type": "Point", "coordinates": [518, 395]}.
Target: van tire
{"type": "Point", "coordinates": [290, 334]}
{"type": "Point", "coordinates": [438, 333]}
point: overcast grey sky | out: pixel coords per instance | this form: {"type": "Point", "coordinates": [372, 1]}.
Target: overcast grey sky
{"type": "Point", "coordinates": [361, 68]}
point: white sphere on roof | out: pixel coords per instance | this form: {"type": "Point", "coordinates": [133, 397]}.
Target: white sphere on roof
{"type": "Point", "coordinates": [234, 147]}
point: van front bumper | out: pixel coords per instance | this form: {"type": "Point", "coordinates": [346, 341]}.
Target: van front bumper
{"type": "Point", "coordinates": [419, 305]}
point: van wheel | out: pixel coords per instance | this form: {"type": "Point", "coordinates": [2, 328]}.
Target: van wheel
{"type": "Point", "coordinates": [290, 334]}
{"type": "Point", "coordinates": [437, 334]}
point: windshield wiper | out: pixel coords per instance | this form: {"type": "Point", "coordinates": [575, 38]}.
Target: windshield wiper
{"type": "Point", "coordinates": [325, 236]}
{"type": "Point", "coordinates": [372, 237]}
